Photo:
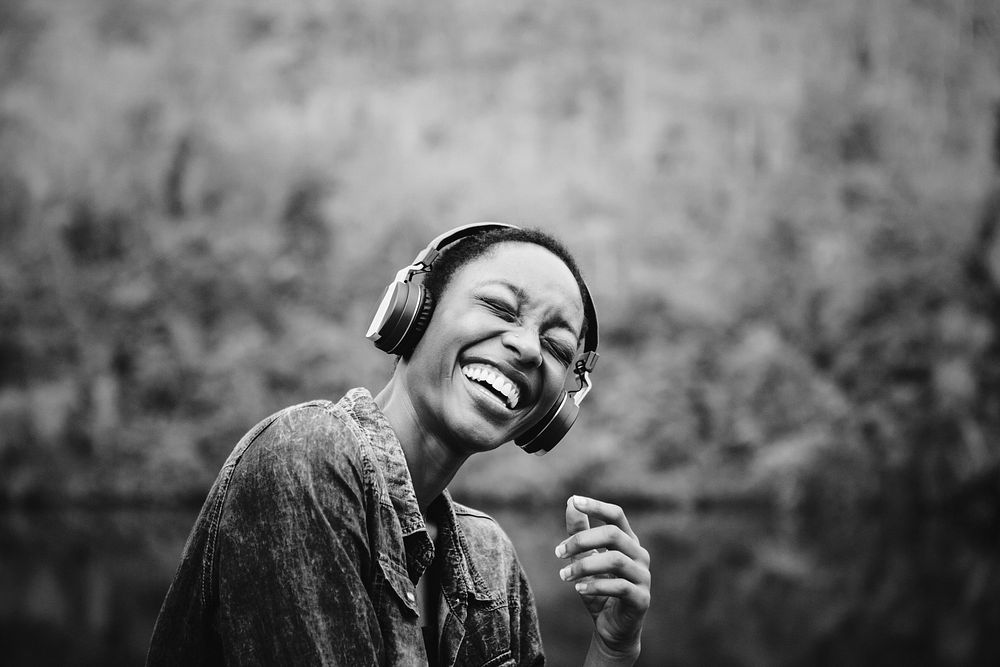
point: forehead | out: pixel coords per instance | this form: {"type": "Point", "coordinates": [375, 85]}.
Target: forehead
{"type": "Point", "coordinates": [537, 274]}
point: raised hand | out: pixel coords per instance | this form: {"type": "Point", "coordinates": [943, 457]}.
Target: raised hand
{"type": "Point", "coordinates": [610, 571]}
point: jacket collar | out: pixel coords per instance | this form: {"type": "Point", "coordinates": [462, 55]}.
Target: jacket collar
{"type": "Point", "coordinates": [389, 459]}
{"type": "Point", "coordinates": [459, 577]}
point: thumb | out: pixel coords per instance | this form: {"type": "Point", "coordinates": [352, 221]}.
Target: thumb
{"type": "Point", "coordinates": [576, 521]}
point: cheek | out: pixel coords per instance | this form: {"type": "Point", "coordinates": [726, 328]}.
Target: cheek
{"type": "Point", "coordinates": [555, 381]}
{"type": "Point", "coordinates": [432, 339]}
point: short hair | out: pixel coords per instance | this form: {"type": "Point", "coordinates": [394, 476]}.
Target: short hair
{"type": "Point", "coordinates": [470, 248]}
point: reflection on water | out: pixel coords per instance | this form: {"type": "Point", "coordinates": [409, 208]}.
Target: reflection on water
{"type": "Point", "coordinates": [83, 588]}
{"type": "Point", "coordinates": [729, 589]}
{"type": "Point", "coordinates": [749, 589]}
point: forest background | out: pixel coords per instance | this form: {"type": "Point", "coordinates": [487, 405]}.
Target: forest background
{"type": "Point", "coordinates": [783, 208]}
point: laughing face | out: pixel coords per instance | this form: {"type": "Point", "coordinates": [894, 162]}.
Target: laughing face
{"type": "Point", "coordinates": [497, 349]}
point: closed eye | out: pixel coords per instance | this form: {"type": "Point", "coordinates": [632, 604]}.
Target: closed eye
{"type": "Point", "coordinates": [501, 309]}
{"type": "Point", "coordinates": [560, 351]}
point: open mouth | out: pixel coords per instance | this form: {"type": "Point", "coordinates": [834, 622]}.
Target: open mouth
{"type": "Point", "coordinates": [493, 380]}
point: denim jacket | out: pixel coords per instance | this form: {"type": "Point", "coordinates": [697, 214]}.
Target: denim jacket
{"type": "Point", "coordinates": [308, 548]}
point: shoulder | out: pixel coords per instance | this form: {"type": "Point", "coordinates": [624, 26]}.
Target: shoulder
{"type": "Point", "coordinates": [466, 511]}
{"type": "Point", "coordinates": [482, 531]}
{"type": "Point", "coordinates": [298, 427]}
{"type": "Point", "coordinates": [320, 413]}
{"type": "Point", "coordinates": [310, 440]}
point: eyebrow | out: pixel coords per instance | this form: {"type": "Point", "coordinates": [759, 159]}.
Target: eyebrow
{"type": "Point", "coordinates": [519, 292]}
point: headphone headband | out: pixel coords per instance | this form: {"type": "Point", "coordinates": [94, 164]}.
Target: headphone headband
{"type": "Point", "coordinates": [452, 235]}
{"type": "Point", "coordinates": [426, 257]}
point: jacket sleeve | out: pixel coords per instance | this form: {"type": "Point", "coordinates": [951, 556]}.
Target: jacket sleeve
{"type": "Point", "coordinates": [292, 562]}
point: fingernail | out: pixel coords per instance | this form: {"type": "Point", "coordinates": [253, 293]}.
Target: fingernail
{"type": "Point", "coordinates": [579, 502]}
{"type": "Point", "coordinates": [564, 574]}
{"type": "Point", "coordinates": [581, 587]}
{"type": "Point", "coordinates": [561, 550]}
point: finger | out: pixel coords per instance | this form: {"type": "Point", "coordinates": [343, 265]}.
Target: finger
{"type": "Point", "coordinates": [607, 537]}
{"type": "Point", "coordinates": [607, 564]}
{"type": "Point", "coordinates": [632, 594]}
{"type": "Point", "coordinates": [576, 520]}
{"type": "Point", "coordinates": [606, 512]}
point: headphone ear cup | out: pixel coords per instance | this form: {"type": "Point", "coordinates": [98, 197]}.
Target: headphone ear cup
{"type": "Point", "coordinates": [415, 330]}
{"type": "Point", "coordinates": [551, 428]}
{"type": "Point", "coordinates": [393, 320]}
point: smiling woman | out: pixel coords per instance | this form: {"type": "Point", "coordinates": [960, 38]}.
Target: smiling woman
{"type": "Point", "coordinates": [515, 311]}
{"type": "Point", "coordinates": [330, 537]}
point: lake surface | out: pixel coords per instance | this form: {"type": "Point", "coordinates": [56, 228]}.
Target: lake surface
{"type": "Point", "coordinates": [83, 588]}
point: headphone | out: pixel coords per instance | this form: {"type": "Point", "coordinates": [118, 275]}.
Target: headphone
{"type": "Point", "coordinates": [406, 307]}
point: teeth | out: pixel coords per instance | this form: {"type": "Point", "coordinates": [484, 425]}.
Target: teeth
{"type": "Point", "coordinates": [493, 377]}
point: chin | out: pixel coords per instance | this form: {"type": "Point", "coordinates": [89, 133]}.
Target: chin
{"type": "Point", "coordinates": [477, 442]}
{"type": "Point", "coordinates": [471, 438]}
{"type": "Point", "coordinates": [476, 427]}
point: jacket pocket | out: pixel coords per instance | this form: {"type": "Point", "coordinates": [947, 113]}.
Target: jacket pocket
{"type": "Point", "coordinates": [488, 635]}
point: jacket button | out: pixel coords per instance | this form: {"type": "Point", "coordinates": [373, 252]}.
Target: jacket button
{"type": "Point", "coordinates": [409, 596]}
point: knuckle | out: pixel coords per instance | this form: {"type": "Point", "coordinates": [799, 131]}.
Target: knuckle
{"type": "Point", "coordinates": [644, 556]}
{"type": "Point", "coordinates": [622, 540]}
{"type": "Point", "coordinates": [615, 535]}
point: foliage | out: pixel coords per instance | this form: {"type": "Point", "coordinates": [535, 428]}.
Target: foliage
{"type": "Point", "coordinates": [775, 204]}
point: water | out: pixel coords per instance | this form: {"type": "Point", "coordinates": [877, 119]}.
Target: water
{"type": "Point", "coordinates": [83, 588]}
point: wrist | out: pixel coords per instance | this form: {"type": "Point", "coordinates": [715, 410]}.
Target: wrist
{"type": "Point", "coordinates": [602, 654]}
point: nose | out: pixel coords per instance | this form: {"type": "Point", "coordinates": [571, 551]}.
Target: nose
{"type": "Point", "coordinates": [526, 344]}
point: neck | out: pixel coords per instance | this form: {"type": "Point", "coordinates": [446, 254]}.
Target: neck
{"type": "Point", "coordinates": [431, 462]}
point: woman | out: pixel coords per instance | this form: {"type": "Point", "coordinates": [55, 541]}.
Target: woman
{"type": "Point", "coordinates": [329, 536]}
